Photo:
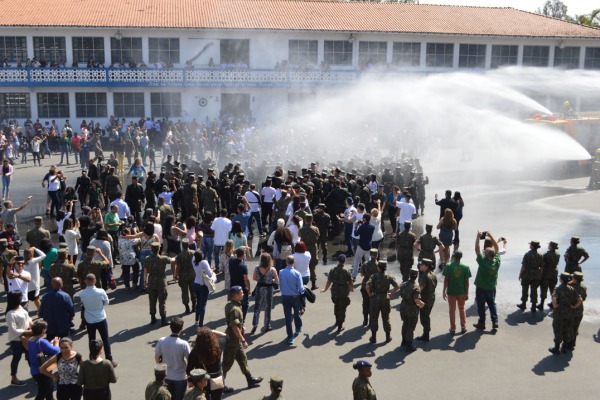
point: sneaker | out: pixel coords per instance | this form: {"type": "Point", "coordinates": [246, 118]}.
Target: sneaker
{"type": "Point", "coordinates": [495, 325]}
{"type": "Point", "coordinates": [463, 330]}
{"type": "Point", "coordinates": [479, 326]}
{"type": "Point", "coordinates": [18, 383]}
{"type": "Point", "coordinates": [299, 331]}
{"type": "Point", "coordinates": [452, 331]}
{"type": "Point", "coordinates": [290, 341]}
{"type": "Point", "coordinates": [114, 364]}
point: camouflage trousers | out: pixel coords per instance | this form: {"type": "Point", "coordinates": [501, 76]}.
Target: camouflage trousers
{"type": "Point", "coordinates": [425, 317]}
{"type": "Point", "coordinates": [526, 285]}
{"type": "Point", "coordinates": [159, 294]}
{"type": "Point", "coordinates": [410, 317]}
{"type": "Point", "coordinates": [562, 328]}
{"type": "Point", "coordinates": [234, 351]}
{"type": "Point", "coordinates": [406, 264]}
{"type": "Point", "coordinates": [547, 285]}
{"type": "Point", "coordinates": [340, 304]}
{"type": "Point", "coordinates": [383, 307]}
{"type": "Point", "coordinates": [187, 290]}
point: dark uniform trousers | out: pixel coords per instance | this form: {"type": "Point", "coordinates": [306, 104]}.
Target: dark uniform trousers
{"type": "Point", "coordinates": [527, 284]}
{"type": "Point", "coordinates": [380, 304]}
{"type": "Point", "coordinates": [158, 294]}
{"type": "Point", "coordinates": [187, 290]}
{"type": "Point", "coordinates": [366, 302]}
{"type": "Point", "coordinates": [410, 316]}
{"type": "Point", "coordinates": [323, 245]}
{"type": "Point", "coordinates": [425, 317]}
{"type": "Point", "coordinates": [234, 351]}
{"type": "Point", "coordinates": [547, 285]}
{"type": "Point", "coordinates": [406, 264]}
{"type": "Point", "coordinates": [340, 304]}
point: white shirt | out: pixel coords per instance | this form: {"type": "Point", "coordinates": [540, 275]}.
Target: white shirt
{"type": "Point", "coordinates": [253, 199]}
{"type": "Point", "coordinates": [378, 233]}
{"type": "Point", "coordinates": [294, 229]}
{"type": "Point", "coordinates": [406, 211]}
{"type": "Point", "coordinates": [123, 208]}
{"type": "Point", "coordinates": [53, 186]}
{"type": "Point", "coordinates": [356, 217]}
{"type": "Point", "coordinates": [301, 262]}
{"type": "Point", "coordinates": [174, 352]}
{"type": "Point", "coordinates": [159, 232]}
{"type": "Point", "coordinates": [198, 268]}
{"type": "Point", "coordinates": [269, 194]}
{"type": "Point", "coordinates": [166, 196]}
{"type": "Point", "coordinates": [18, 321]}
{"type": "Point", "coordinates": [33, 268]}
{"type": "Point", "coordinates": [20, 285]}
{"type": "Point", "coordinates": [222, 227]}
{"type": "Point", "coordinates": [71, 237]}
{"type": "Point", "coordinates": [61, 223]}
{"type": "Point", "coordinates": [94, 300]}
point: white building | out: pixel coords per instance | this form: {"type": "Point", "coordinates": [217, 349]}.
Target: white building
{"type": "Point", "coordinates": [235, 46]}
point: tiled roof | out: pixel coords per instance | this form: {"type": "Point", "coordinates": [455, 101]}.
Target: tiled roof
{"type": "Point", "coordinates": [295, 15]}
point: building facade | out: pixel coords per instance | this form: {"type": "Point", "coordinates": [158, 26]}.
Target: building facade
{"type": "Point", "coordinates": [261, 65]}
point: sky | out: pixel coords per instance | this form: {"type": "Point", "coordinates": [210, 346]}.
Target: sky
{"type": "Point", "coordinates": [578, 7]}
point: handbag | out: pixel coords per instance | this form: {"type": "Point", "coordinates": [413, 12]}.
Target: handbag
{"type": "Point", "coordinates": [112, 283]}
{"type": "Point", "coordinates": [41, 356]}
{"type": "Point", "coordinates": [216, 383]}
{"type": "Point", "coordinates": [309, 295]}
{"type": "Point", "coordinates": [209, 281]}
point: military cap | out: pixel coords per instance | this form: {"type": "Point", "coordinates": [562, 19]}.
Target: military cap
{"type": "Point", "coordinates": [191, 174]}
{"type": "Point", "coordinates": [565, 275]}
{"type": "Point", "coordinates": [155, 245]}
{"type": "Point", "coordinates": [185, 241]}
{"type": "Point", "coordinates": [321, 205]}
{"type": "Point", "coordinates": [210, 170]}
{"type": "Point", "coordinates": [62, 251]}
{"type": "Point", "coordinates": [91, 249]}
{"type": "Point", "coordinates": [341, 258]}
{"type": "Point", "coordinates": [362, 364]}
{"type": "Point", "coordinates": [19, 259]}
{"type": "Point", "coordinates": [407, 224]}
{"type": "Point", "coordinates": [38, 218]}
{"type": "Point", "coordinates": [578, 275]}
{"type": "Point", "coordinates": [197, 375]}
{"type": "Point", "coordinates": [150, 210]}
{"type": "Point", "coordinates": [308, 216]}
{"type": "Point", "coordinates": [276, 381]}
{"type": "Point", "coordinates": [428, 226]}
{"type": "Point", "coordinates": [414, 272]}
{"type": "Point", "coordinates": [374, 251]}
{"type": "Point", "coordinates": [160, 367]}
{"type": "Point", "coordinates": [3, 242]}
{"type": "Point", "coordinates": [382, 264]}
{"type": "Point", "coordinates": [575, 239]}
{"type": "Point", "coordinates": [175, 170]}
{"type": "Point", "coordinates": [553, 244]}
{"type": "Point", "coordinates": [426, 261]}
{"type": "Point", "coordinates": [62, 246]}
{"type": "Point", "coordinates": [349, 200]}
{"type": "Point", "coordinates": [235, 289]}
{"type": "Point", "coordinates": [535, 243]}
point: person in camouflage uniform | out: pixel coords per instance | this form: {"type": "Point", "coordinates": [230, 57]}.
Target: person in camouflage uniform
{"type": "Point", "coordinates": [281, 205]}
{"type": "Point", "coordinates": [573, 256]}
{"type": "Point", "coordinates": [5, 256]}
{"type": "Point", "coordinates": [409, 309]}
{"type": "Point", "coordinates": [157, 389]}
{"type": "Point", "coordinates": [427, 285]}
{"type": "Point", "coordinates": [309, 234]}
{"type": "Point", "coordinates": [549, 274]}
{"type": "Point", "coordinates": [323, 222]}
{"type": "Point", "coordinates": [276, 386]}
{"type": "Point", "coordinates": [90, 266]}
{"type": "Point", "coordinates": [377, 289]}
{"type": "Point", "coordinates": [361, 387]}
{"type": "Point", "coordinates": [405, 242]}
{"type": "Point", "coordinates": [198, 380]}
{"type": "Point", "coordinates": [36, 234]}
{"type": "Point", "coordinates": [62, 269]}
{"type": "Point", "coordinates": [340, 281]}
{"type": "Point", "coordinates": [236, 345]}
{"type": "Point", "coordinates": [367, 270]}
{"type": "Point", "coordinates": [531, 275]}
{"type": "Point", "coordinates": [184, 272]}
{"type": "Point", "coordinates": [209, 199]}
{"type": "Point", "coordinates": [426, 244]}
{"type": "Point", "coordinates": [564, 299]}
{"type": "Point", "coordinates": [190, 197]}
{"type": "Point", "coordinates": [155, 280]}
{"type": "Point", "coordinates": [581, 290]}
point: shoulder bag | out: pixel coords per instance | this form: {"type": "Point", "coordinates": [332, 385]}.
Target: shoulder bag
{"type": "Point", "coordinates": [209, 281]}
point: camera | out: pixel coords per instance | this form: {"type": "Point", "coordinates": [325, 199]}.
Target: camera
{"type": "Point", "coordinates": [483, 235]}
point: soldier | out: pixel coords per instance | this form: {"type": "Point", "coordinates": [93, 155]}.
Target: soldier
{"type": "Point", "coordinates": [134, 197]}
{"type": "Point", "coordinates": [531, 275]}
{"type": "Point", "coordinates": [236, 344]}
{"type": "Point", "coordinates": [191, 205]}
{"type": "Point", "coordinates": [209, 199]}
{"type": "Point", "coordinates": [90, 266]}
{"type": "Point", "coordinates": [549, 273]}
{"type": "Point", "coordinates": [155, 280]}
{"type": "Point", "coordinates": [340, 281]}
{"type": "Point", "coordinates": [427, 284]}
{"type": "Point", "coordinates": [377, 288]}
{"type": "Point", "coordinates": [581, 290]}
{"type": "Point", "coordinates": [5, 256]}
{"type": "Point", "coordinates": [309, 234]}
{"type": "Point", "coordinates": [367, 270]}
{"type": "Point", "coordinates": [426, 244]}
{"type": "Point", "coordinates": [157, 389]}
{"type": "Point", "coordinates": [183, 271]}
{"type": "Point", "coordinates": [409, 309]}
{"type": "Point", "coordinates": [198, 380]}
{"type": "Point", "coordinates": [323, 222]}
{"type": "Point", "coordinates": [573, 256]}
{"type": "Point", "coordinates": [405, 243]}
{"type": "Point", "coordinates": [564, 300]}
{"type": "Point", "coordinates": [361, 387]}
{"type": "Point", "coordinates": [420, 185]}
{"type": "Point", "coordinates": [276, 386]}
{"type": "Point", "coordinates": [61, 268]}
{"type": "Point", "coordinates": [36, 234]}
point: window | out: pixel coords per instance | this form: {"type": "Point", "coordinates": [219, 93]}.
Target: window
{"type": "Point", "coordinates": [567, 57]}
{"type": "Point", "coordinates": [49, 48]}
{"type": "Point", "coordinates": [15, 105]}
{"type": "Point", "coordinates": [338, 52]}
{"type": "Point", "coordinates": [536, 56]}
{"type": "Point", "coordinates": [374, 53]}
{"type": "Point", "coordinates": [129, 104]}
{"type": "Point", "coordinates": [504, 55]}
{"type": "Point", "coordinates": [164, 49]}
{"type": "Point", "coordinates": [471, 56]}
{"type": "Point", "coordinates": [165, 104]}
{"type": "Point", "coordinates": [90, 105]}
{"type": "Point", "coordinates": [405, 54]}
{"type": "Point", "coordinates": [14, 48]}
{"type": "Point", "coordinates": [440, 55]}
{"type": "Point", "coordinates": [126, 49]}
{"type": "Point", "coordinates": [53, 105]}
{"type": "Point", "coordinates": [592, 58]}
{"type": "Point", "coordinates": [303, 52]}
{"type": "Point", "coordinates": [85, 48]}
{"type": "Point", "coordinates": [235, 52]}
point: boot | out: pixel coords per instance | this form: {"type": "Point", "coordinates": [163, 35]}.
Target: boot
{"type": "Point", "coordinates": [314, 285]}
{"type": "Point", "coordinates": [409, 347]}
{"type": "Point", "coordinates": [187, 309]}
{"type": "Point", "coordinates": [522, 306]}
{"type": "Point", "coordinates": [152, 320]}
{"type": "Point", "coordinates": [541, 305]}
{"type": "Point", "coordinates": [194, 307]}
{"type": "Point", "coordinates": [403, 342]}
{"type": "Point", "coordinates": [533, 308]}
{"type": "Point", "coordinates": [366, 320]}
{"type": "Point", "coordinates": [555, 349]}
{"type": "Point", "coordinates": [340, 328]}
{"type": "Point", "coordinates": [564, 348]}
{"type": "Point", "coordinates": [163, 321]}
{"type": "Point", "coordinates": [373, 338]}
{"type": "Point", "coordinates": [424, 337]}
{"type": "Point", "coordinates": [388, 337]}
{"type": "Point", "coordinates": [253, 381]}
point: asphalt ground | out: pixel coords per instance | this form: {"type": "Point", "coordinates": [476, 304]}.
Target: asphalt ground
{"type": "Point", "coordinates": [512, 362]}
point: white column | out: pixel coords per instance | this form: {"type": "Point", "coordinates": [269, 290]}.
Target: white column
{"type": "Point", "coordinates": [145, 51]}
{"type": "Point", "coordinates": [488, 56]}
{"type": "Point", "coordinates": [33, 104]}
{"type": "Point", "coordinates": [69, 51]}
{"type": "Point", "coordinates": [423, 62]}
{"type": "Point", "coordinates": [520, 56]}
{"type": "Point", "coordinates": [551, 56]}
{"type": "Point", "coordinates": [582, 57]}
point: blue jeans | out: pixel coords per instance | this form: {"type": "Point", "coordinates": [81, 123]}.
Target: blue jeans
{"type": "Point", "coordinates": [208, 244]}
{"type": "Point", "coordinates": [17, 350]}
{"type": "Point", "coordinates": [176, 388]}
{"type": "Point", "coordinates": [76, 154]}
{"type": "Point", "coordinates": [55, 202]}
{"type": "Point", "coordinates": [292, 303]}
{"type": "Point", "coordinates": [217, 252]}
{"type": "Point", "coordinates": [102, 328]}
{"type": "Point", "coordinates": [5, 185]}
{"type": "Point", "coordinates": [24, 156]}
{"type": "Point", "coordinates": [201, 300]}
{"type": "Point", "coordinates": [84, 159]}
{"type": "Point", "coordinates": [483, 297]}
{"type": "Point", "coordinates": [348, 236]}
{"type": "Point", "coordinates": [64, 151]}
{"type": "Point", "coordinates": [256, 217]}
{"type": "Point", "coordinates": [47, 278]}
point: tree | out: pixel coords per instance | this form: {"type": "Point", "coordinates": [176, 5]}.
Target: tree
{"type": "Point", "coordinates": [591, 19]}
{"type": "Point", "coordinates": [554, 8]}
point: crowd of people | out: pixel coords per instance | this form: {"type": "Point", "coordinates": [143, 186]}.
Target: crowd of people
{"type": "Point", "coordinates": [201, 221]}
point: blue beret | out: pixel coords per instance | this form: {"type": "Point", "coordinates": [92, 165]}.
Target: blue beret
{"type": "Point", "coordinates": [362, 364]}
{"type": "Point", "coordinates": [235, 289]}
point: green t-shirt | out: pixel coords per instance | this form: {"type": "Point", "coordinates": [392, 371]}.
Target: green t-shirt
{"type": "Point", "coordinates": [487, 273]}
{"type": "Point", "coordinates": [111, 218]}
{"type": "Point", "coordinates": [456, 273]}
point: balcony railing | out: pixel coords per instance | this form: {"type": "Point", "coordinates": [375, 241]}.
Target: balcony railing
{"type": "Point", "coordinates": [171, 77]}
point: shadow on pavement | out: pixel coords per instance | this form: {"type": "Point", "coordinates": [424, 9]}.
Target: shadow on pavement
{"type": "Point", "coordinates": [320, 338]}
{"type": "Point", "coordinates": [350, 335]}
{"type": "Point", "coordinates": [361, 351]}
{"type": "Point", "coordinates": [11, 392]}
{"type": "Point", "coordinates": [392, 359]}
{"type": "Point", "coordinates": [269, 349]}
{"type": "Point", "coordinates": [462, 343]}
{"type": "Point", "coordinates": [520, 317]}
{"type": "Point", "coordinates": [552, 363]}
